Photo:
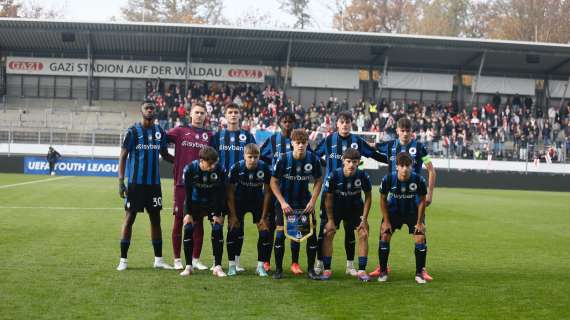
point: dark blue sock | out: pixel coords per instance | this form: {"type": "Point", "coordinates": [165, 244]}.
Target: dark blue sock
{"type": "Point", "coordinates": [188, 243]}
{"type": "Point", "coordinates": [421, 253]}
{"type": "Point", "coordinates": [362, 262]}
{"type": "Point", "coordinates": [264, 246]}
{"type": "Point", "coordinates": [327, 260]}
{"type": "Point", "coordinates": [217, 243]}
{"type": "Point", "coordinates": [157, 246]}
{"type": "Point", "coordinates": [279, 249]}
{"type": "Point", "coordinates": [125, 243]}
{"type": "Point", "coordinates": [295, 249]}
{"type": "Point", "coordinates": [383, 254]}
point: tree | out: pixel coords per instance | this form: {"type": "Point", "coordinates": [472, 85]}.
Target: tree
{"type": "Point", "coordinates": [298, 9]}
{"type": "Point", "coordinates": [255, 18]}
{"type": "Point", "coordinates": [9, 9]}
{"type": "Point", "coordinates": [142, 10]}
{"type": "Point", "coordinates": [32, 9]}
{"type": "Point", "coordinates": [389, 16]}
{"type": "Point", "coordinates": [177, 11]}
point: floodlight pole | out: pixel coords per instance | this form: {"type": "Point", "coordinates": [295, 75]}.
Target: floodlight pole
{"type": "Point", "coordinates": [287, 66]}
{"type": "Point", "coordinates": [383, 77]}
{"type": "Point", "coordinates": [187, 73]}
{"type": "Point", "coordinates": [89, 71]}
{"type": "Point", "coordinates": [474, 87]}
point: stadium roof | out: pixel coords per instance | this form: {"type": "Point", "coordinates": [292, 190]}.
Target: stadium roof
{"type": "Point", "coordinates": [330, 49]}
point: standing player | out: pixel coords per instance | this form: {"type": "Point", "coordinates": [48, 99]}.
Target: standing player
{"type": "Point", "coordinates": [249, 191]}
{"type": "Point", "coordinates": [188, 141]}
{"type": "Point", "coordinates": [142, 145]}
{"type": "Point", "coordinates": [290, 185]}
{"type": "Point", "coordinates": [332, 149]}
{"type": "Point", "coordinates": [343, 202]}
{"type": "Point", "coordinates": [205, 188]}
{"type": "Point", "coordinates": [52, 157]}
{"type": "Point", "coordinates": [230, 143]}
{"type": "Point", "coordinates": [403, 201]}
{"type": "Point", "coordinates": [274, 147]}
{"type": "Point", "coordinates": [419, 155]}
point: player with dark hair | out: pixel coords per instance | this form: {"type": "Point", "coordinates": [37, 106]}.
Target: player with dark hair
{"type": "Point", "coordinates": [274, 147]}
{"type": "Point", "coordinates": [52, 157]}
{"type": "Point", "coordinates": [205, 187]}
{"type": "Point", "coordinates": [140, 155]}
{"type": "Point", "coordinates": [332, 149]}
{"type": "Point", "coordinates": [343, 202]}
{"type": "Point", "coordinates": [403, 201]}
{"type": "Point", "coordinates": [290, 185]}
{"type": "Point", "coordinates": [419, 155]}
{"type": "Point", "coordinates": [230, 143]}
{"type": "Point", "coordinates": [188, 141]}
{"type": "Point", "coordinates": [249, 191]}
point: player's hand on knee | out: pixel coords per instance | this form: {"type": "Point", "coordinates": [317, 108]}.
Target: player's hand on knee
{"type": "Point", "coordinates": [363, 229]}
{"type": "Point", "coordinates": [330, 228]}
{"type": "Point", "coordinates": [386, 228]}
{"type": "Point", "coordinates": [263, 224]}
{"type": "Point", "coordinates": [188, 219]}
{"type": "Point", "coordinates": [419, 229]}
{"type": "Point", "coordinates": [122, 188]}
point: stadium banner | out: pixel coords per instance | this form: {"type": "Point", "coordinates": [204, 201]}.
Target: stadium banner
{"type": "Point", "coordinates": [506, 85]}
{"type": "Point", "coordinates": [418, 81]}
{"type": "Point", "coordinates": [325, 78]}
{"type": "Point", "coordinates": [73, 167]}
{"type": "Point", "coordinates": [135, 69]}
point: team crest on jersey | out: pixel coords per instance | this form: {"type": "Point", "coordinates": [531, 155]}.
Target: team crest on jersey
{"type": "Point", "coordinates": [403, 189]}
{"type": "Point", "coordinates": [204, 178]}
{"type": "Point", "coordinates": [157, 136]}
{"type": "Point", "coordinates": [413, 186]}
{"type": "Point", "coordinates": [413, 151]}
{"type": "Point", "coordinates": [298, 169]}
{"type": "Point", "coordinates": [354, 145]}
{"type": "Point", "coordinates": [214, 176]}
{"type": "Point", "coordinates": [242, 137]}
{"type": "Point", "coordinates": [232, 139]}
{"type": "Point", "coordinates": [150, 137]}
{"type": "Point", "coordinates": [197, 136]}
{"type": "Point", "coordinates": [308, 167]}
{"type": "Point", "coordinates": [260, 174]}
{"type": "Point", "coordinates": [348, 186]}
{"type": "Point", "coordinates": [204, 136]}
{"type": "Point", "coordinates": [250, 176]}
{"type": "Point", "coordinates": [343, 149]}
{"type": "Point", "coordinates": [357, 183]}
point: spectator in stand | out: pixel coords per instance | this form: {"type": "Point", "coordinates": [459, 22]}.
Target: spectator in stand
{"type": "Point", "coordinates": [163, 117]}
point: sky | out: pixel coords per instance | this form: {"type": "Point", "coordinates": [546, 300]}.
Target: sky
{"type": "Point", "coordinates": [103, 10]}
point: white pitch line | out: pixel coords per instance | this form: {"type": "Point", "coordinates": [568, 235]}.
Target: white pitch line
{"type": "Point", "coordinates": [32, 182]}
{"type": "Point", "coordinates": [64, 208]}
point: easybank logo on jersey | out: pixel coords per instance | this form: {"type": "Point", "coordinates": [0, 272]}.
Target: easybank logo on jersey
{"type": "Point", "coordinates": [73, 167]}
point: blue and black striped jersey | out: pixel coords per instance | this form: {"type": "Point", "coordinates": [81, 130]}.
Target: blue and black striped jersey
{"type": "Point", "coordinates": [294, 177]}
{"type": "Point", "coordinates": [203, 187]}
{"type": "Point", "coordinates": [347, 191]}
{"type": "Point", "coordinates": [230, 146]}
{"type": "Point", "coordinates": [333, 146]}
{"type": "Point", "coordinates": [143, 146]}
{"type": "Point", "coordinates": [403, 196]}
{"type": "Point", "coordinates": [416, 149]}
{"type": "Point", "coordinates": [249, 183]}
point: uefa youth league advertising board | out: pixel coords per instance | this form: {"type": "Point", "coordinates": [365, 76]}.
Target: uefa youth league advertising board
{"type": "Point", "coordinates": [73, 167]}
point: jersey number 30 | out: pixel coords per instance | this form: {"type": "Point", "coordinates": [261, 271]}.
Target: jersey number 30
{"type": "Point", "coordinates": [157, 202]}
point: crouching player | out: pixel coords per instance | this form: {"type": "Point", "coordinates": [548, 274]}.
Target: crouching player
{"type": "Point", "coordinates": [249, 191]}
{"type": "Point", "coordinates": [290, 184]}
{"type": "Point", "coordinates": [205, 185]}
{"type": "Point", "coordinates": [343, 202]}
{"type": "Point", "coordinates": [403, 201]}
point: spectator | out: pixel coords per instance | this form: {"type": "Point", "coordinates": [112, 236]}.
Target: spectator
{"type": "Point", "coordinates": [52, 157]}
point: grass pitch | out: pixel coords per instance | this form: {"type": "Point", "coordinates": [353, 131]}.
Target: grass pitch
{"type": "Point", "coordinates": [493, 254]}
